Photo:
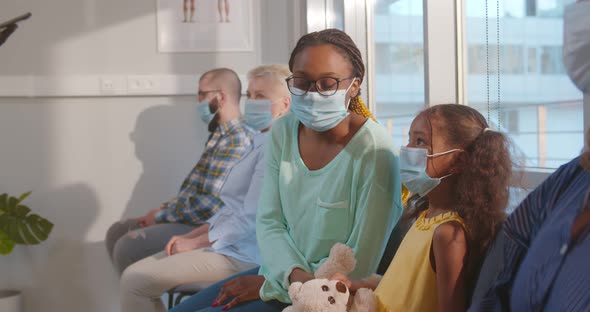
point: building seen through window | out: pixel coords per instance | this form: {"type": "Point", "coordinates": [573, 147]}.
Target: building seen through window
{"type": "Point", "coordinates": [542, 111]}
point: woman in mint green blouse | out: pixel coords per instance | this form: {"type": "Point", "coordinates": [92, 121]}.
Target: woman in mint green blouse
{"type": "Point", "coordinates": [331, 176]}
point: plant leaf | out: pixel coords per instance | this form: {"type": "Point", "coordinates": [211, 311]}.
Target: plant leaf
{"type": "Point", "coordinates": [12, 202]}
{"type": "Point", "coordinates": [40, 226]}
{"type": "Point", "coordinates": [3, 201]}
{"type": "Point", "coordinates": [23, 196]}
{"type": "Point", "coordinates": [21, 211]}
{"type": "Point", "coordinates": [13, 233]}
{"type": "Point", "coordinates": [24, 228]}
{"type": "Point", "coordinates": [28, 236]}
{"type": "Point", "coordinates": [6, 244]}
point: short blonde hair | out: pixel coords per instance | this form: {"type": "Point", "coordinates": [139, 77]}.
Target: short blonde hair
{"type": "Point", "coordinates": [276, 73]}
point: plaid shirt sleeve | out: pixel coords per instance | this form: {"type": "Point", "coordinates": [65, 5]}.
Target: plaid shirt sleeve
{"type": "Point", "coordinates": [199, 198]}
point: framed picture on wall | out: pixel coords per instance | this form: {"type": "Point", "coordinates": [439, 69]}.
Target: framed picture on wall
{"type": "Point", "coordinates": [204, 25]}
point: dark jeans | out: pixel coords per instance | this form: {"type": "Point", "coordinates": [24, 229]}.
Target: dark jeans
{"type": "Point", "coordinates": [201, 302]}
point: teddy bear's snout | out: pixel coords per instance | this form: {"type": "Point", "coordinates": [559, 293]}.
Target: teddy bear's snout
{"type": "Point", "coordinates": [341, 287]}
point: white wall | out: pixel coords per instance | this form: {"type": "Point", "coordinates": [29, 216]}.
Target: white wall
{"type": "Point", "coordinates": [89, 162]}
{"type": "Point", "coordinates": [93, 160]}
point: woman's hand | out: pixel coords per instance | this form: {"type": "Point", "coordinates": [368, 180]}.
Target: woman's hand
{"type": "Point", "coordinates": [241, 289]}
{"type": "Point", "coordinates": [343, 278]}
{"type": "Point", "coordinates": [298, 275]}
{"type": "Point", "coordinates": [354, 285]}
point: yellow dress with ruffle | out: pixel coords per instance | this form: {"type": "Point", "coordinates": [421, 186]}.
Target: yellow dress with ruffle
{"type": "Point", "coordinates": [410, 282]}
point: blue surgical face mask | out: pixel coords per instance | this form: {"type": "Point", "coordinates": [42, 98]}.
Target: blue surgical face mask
{"type": "Point", "coordinates": [258, 115]}
{"type": "Point", "coordinates": [318, 112]}
{"type": "Point", "coordinates": [205, 111]}
{"type": "Point", "coordinates": [576, 44]}
{"type": "Point", "coordinates": [413, 162]}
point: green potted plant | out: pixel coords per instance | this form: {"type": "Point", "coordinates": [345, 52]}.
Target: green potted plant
{"type": "Point", "coordinates": [18, 226]}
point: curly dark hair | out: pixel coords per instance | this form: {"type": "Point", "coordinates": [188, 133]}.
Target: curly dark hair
{"type": "Point", "coordinates": [482, 185]}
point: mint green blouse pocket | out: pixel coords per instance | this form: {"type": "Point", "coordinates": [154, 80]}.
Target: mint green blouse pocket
{"type": "Point", "coordinates": [332, 220]}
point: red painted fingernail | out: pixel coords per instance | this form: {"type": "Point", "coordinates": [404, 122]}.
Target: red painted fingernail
{"type": "Point", "coordinates": [215, 303]}
{"type": "Point", "coordinates": [225, 308]}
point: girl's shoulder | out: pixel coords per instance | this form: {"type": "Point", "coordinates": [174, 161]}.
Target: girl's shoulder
{"type": "Point", "coordinates": [450, 232]}
{"type": "Point", "coordinates": [449, 251]}
{"type": "Point", "coordinates": [449, 244]}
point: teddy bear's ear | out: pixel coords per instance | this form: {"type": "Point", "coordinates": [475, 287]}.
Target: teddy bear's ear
{"type": "Point", "coordinates": [294, 290]}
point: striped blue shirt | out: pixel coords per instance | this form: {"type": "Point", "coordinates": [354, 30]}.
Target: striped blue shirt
{"type": "Point", "coordinates": [199, 196]}
{"type": "Point", "coordinates": [544, 270]}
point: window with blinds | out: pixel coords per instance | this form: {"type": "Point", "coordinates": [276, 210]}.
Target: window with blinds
{"type": "Point", "coordinates": [516, 78]}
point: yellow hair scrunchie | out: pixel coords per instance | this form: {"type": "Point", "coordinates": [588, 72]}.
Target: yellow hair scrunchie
{"type": "Point", "coordinates": [358, 107]}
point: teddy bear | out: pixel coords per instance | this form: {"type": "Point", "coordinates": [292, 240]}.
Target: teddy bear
{"type": "Point", "coordinates": [318, 294]}
{"type": "Point", "coordinates": [323, 295]}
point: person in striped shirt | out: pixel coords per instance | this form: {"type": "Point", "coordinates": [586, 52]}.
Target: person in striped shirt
{"type": "Point", "coordinates": [547, 238]}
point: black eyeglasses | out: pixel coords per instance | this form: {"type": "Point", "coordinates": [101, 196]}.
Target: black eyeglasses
{"type": "Point", "coordinates": [326, 86]}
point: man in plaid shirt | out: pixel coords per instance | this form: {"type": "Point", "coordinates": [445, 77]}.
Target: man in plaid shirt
{"type": "Point", "coordinates": [198, 198]}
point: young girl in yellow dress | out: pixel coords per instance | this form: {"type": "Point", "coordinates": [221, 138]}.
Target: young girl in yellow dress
{"type": "Point", "coordinates": [458, 170]}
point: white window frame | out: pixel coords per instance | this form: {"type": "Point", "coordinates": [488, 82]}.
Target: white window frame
{"type": "Point", "coordinates": [445, 71]}
{"type": "Point", "coordinates": [356, 21]}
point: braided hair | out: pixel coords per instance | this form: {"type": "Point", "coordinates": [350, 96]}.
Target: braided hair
{"type": "Point", "coordinates": [348, 49]}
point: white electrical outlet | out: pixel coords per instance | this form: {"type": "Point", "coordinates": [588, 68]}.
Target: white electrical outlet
{"type": "Point", "coordinates": [107, 86]}
{"type": "Point", "coordinates": [111, 85]}
{"type": "Point", "coordinates": [142, 85]}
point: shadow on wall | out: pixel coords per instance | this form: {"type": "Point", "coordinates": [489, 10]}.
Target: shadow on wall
{"type": "Point", "coordinates": [73, 152]}
{"type": "Point", "coordinates": [169, 140]}
{"type": "Point", "coordinates": [68, 174]}
{"type": "Point", "coordinates": [71, 261]}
